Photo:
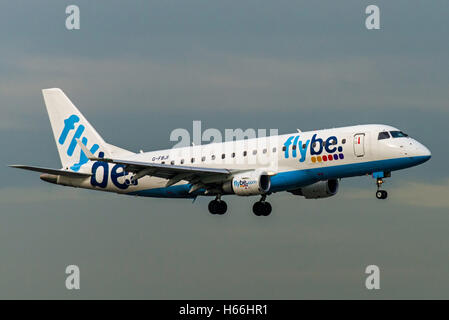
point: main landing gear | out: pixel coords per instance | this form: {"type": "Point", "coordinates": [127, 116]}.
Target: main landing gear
{"type": "Point", "coordinates": [380, 194]}
{"type": "Point", "coordinates": [218, 206]}
{"type": "Point", "coordinates": [262, 208]}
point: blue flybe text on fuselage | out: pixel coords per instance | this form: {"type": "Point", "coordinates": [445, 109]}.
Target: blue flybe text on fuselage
{"type": "Point", "coordinates": [295, 147]}
{"type": "Point", "coordinates": [100, 177]}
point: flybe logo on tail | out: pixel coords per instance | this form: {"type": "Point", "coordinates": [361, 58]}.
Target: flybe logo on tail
{"type": "Point", "coordinates": [297, 148]}
{"type": "Point", "coordinates": [69, 125]}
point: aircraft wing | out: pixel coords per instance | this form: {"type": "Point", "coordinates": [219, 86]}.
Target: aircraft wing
{"type": "Point", "coordinates": [165, 170]}
{"type": "Point", "coordinates": [199, 177]}
{"type": "Point", "coordinates": [208, 178]}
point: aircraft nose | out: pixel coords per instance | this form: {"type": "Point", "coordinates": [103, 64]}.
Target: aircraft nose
{"type": "Point", "coordinates": [426, 153]}
{"type": "Point", "coordinates": [423, 151]}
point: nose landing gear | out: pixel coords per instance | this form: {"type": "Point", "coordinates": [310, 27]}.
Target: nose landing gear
{"type": "Point", "coordinates": [380, 194]}
{"type": "Point", "coordinates": [217, 206]}
{"type": "Point", "coordinates": [262, 208]}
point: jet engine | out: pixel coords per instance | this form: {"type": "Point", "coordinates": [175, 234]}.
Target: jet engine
{"type": "Point", "coordinates": [320, 189]}
{"type": "Point", "coordinates": [248, 183]}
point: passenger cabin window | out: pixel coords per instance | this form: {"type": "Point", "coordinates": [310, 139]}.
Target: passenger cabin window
{"type": "Point", "coordinates": [233, 155]}
{"type": "Point", "coordinates": [274, 149]}
{"type": "Point", "coordinates": [254, 152]}
{"type": "Point", "coordinates": [182, 161]}
{"type": "Point", "coordinates": [264, 151]}
{"type": "Point", "coordinates": [172, 162]}
{"type": "Point", "coordinates": [383, 135]}
{"type": "Point", "coordinates": [245, 153]}
{"type": "Point", "coordinates": [192, 160]}
{"type": "Point", "coordinates": [284, 148]}
{"type": "Point", "coordinates": [294, 147]}
{"type": "Point", "coordinates": [203, 158]}
{"type": "Point", "coordinates": [213, 157]}
{"type": "Point", "coordinates": [343, 141]}
{"type": "Point", "coordinates": [223, 156]}
{"type": "Point", "coordinates": [398, 134]}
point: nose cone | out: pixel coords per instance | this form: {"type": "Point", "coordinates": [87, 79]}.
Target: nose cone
{"type": "Point", "coordinates": [422, 152]}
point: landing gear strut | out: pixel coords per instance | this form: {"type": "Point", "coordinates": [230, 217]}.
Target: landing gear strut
{"type": "Point", "coordinates": [217, 206]}
{"type": "Point", "coordinates": [262, 208]}
{"type": "Point", "coordinates": [380, 194]}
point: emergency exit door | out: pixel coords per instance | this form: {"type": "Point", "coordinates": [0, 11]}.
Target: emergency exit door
{"type": "Point", "coordinates": [359, 144]}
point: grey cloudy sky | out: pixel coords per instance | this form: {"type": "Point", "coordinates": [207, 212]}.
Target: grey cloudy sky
{"type": "Point", "coordinates": [141, 69]}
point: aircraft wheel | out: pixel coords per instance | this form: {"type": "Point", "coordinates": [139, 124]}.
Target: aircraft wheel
{"type": "Point", "coordinates": [222, 207]}
{"type": "Point", "coordinates": [212, 207]}
{"type": "Point", "coordinates": [262, 208]}
{"type": "Point", "coordinates": [267, 209]}
{"type": "Point", "coordinates": [381, 194]}
{"type": "Point", "coordinates": [257, 208]}
{"type": "Point", "coordinates": [217, 207]}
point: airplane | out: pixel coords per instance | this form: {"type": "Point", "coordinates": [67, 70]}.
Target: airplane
{"type": "Point", "coordinates": [309, 164]}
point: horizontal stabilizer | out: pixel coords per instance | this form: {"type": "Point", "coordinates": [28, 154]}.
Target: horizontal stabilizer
{"type": "Point", "coordinates": [58, 172]}
{"type": "Point", "coordinates": [86, 151]}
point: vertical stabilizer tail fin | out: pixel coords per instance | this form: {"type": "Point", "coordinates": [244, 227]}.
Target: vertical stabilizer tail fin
{"type": "Point", "coordinates": [68, 125]}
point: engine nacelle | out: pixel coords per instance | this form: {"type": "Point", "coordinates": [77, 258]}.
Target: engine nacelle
{"type": "Point", "coordinates": [248, 183]}
{"type": "Point", "coordinates": [320, 189]}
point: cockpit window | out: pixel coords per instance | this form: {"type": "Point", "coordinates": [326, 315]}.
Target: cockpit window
{"type": "Point", "coordinates": [398, 134]}
{"type": "Point", "coordinates": [383, 135]}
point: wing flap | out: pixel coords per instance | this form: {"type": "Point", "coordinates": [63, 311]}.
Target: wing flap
{"type": "Point", "coordinates": [159, 169]}
{"type": "Point", "coordinates": [135, 166]}
{"type": "Point", "coordinates": [173, 173]}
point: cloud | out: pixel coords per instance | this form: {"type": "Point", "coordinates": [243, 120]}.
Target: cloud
{"type": "Point", "coordinates": [231, 82]}
{"type": "Point", "coordinates": [416, 194]}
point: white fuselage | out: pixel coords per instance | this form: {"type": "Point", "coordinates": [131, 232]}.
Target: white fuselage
{"type": "Point", "coordinates": [292, 160]}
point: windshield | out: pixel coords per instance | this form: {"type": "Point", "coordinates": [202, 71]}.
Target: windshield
{"type": "Point", "coordinates": [398, 134]}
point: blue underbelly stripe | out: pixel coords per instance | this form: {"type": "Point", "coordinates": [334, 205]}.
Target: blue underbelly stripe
{"type": "Point", "coordinates": [299, 178]}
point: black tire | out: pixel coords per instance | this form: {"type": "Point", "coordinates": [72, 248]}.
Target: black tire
{"type": "Point", "coordinates": [379, 194]}
{"type": "Point", "coordinates": [262, 208]}
{"type": "Point", "coordinates": [267, 208]}
{"type": "Point", "coordinates": [212, 207]}
{"type": "Point", "coordinates": [222, 207]}
{"type": "Point", "coordinates": [217, 207]}
{"type": "Point", "coordinates": [257, 208]}
{"type": "Point", "coordinates": [384, 194]}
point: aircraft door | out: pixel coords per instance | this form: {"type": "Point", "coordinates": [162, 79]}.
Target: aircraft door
{"type": "Point", "coordinates": [359, 144]}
